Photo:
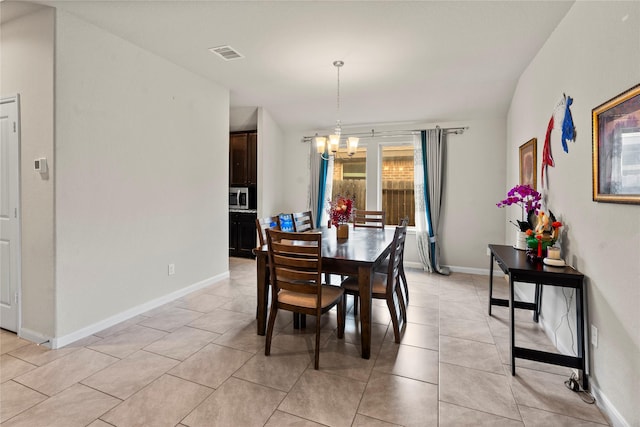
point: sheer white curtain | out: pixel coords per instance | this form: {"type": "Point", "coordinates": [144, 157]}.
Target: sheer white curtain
{"type": "Point", "coordinates": [422, 233]}
{"type": "Point", "coordinates": [429, 175]}
{"type": "Point", "coordinates": [328, 192]}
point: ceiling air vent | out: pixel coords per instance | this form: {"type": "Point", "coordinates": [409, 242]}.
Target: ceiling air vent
{"type": "Point", "coordinates": [226, 52]}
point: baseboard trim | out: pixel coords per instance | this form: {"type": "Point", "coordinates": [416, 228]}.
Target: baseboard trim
{"type": "Point", "coordinates": [413, 264]}
{"type": "Point", "coordinates": [457, 269]}
{"type": "Point", "coordinates": [35, 337]}
{"type": "Point", "coordinates": [477, 271]}
{"type": "Point", "coordinates": [132, 312]}
{"type": "Point", "coordinates": [617, 420]}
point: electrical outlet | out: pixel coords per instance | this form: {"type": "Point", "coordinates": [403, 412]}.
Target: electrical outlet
{"type": "Point", "coordinates": [594, 336]}
{"type": "Point", "coordinates": [488, 252]}
{"type": "Point", "coordinates": [172, 269]}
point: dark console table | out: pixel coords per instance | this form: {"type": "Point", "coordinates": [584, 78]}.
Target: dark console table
{"type": "Point", "coordinates": [519, 268]}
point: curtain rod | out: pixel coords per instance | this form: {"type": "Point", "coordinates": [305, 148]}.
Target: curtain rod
{"type": "Point", "coordinates": [393, 133]}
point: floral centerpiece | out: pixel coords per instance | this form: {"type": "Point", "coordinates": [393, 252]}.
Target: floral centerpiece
{"type": "Point", "coordinates": [340, 210]}
{"type": "Point", "coordinates": [527, 198]}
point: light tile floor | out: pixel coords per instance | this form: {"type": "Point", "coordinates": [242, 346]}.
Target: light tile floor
{"type": "Point", "coordinates": [198, 362]}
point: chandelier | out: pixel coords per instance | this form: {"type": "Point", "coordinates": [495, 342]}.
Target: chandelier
{"type": "Point", "coordinates": [331, 146]}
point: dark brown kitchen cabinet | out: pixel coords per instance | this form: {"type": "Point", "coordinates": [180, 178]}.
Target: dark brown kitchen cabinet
{"type": "Point", "coordinates": [243, 154]}
{"type": "Point", "coordinates": [242, 234]}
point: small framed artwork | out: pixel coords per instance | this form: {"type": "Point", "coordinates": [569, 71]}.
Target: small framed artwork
{"type": "Point", "coordinates": [528, 154]}
{"type": "Point", "coordinates": [616, 149]}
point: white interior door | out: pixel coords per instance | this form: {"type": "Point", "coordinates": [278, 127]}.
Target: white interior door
{"type": "Point", "coordinates": [9, 214]}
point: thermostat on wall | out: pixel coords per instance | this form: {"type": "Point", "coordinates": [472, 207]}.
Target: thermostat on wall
{"type": "Point", "coordinates": [40, 165]}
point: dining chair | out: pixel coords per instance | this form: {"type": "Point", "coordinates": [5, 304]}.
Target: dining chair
{"type": "Point", "coordinates": [369, 219]}
{"type": "Point", "coordinates": [303, 221]}
{"type": "Point", "coordinates": [386, 285]}
{"type": "Point", "coordinates": [273, 222]}
{"type": "Point", "coordinates": [295, 260]}
{"type": "Point", "coordinates": [262, 224]}
{"type": "Point", "coordinates": [403, 277]}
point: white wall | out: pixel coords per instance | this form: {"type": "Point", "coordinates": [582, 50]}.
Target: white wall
{"type": "Point", "coordinates": [474, 178]}
{"type": "Point", "coordinates": [473, 185]}
{"type": "Point", "coordinates": [26, 68]}
{"type": "Point", "coordinates": [296, 159]}
{"type": "Point", "coordinates": [243, 118]}
{"type": "Point", "coordinates": [142, 176]}
{"type": "Point", "coordinates": [271, 166]}
{"type": "Point", "coordinates": [593, 55]}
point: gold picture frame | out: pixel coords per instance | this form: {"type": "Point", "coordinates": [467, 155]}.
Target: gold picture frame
{"type": "Point", "coordinates": [528, 162]}
{"type": "Point", "coordinates": [616, 149]}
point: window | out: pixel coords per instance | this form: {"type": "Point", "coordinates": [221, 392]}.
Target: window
{"type": "Point", "coordinates": [397, 183]}
{"type": "Point", "coordinates": [379, 177]}
{"type": "Point", "coordinates": [350, 177]}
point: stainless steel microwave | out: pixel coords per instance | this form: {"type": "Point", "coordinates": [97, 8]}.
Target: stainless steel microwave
{"type": "Point", "coordinates": [238, 198]}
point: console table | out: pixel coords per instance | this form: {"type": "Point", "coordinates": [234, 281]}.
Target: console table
{"type": "Point", "coordinates": [519, 268]}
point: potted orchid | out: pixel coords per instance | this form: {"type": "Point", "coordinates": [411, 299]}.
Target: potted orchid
{"type": "Point", "coordinates": [527, 198]}
{"type": "Point", "coordinates": [529, 201]}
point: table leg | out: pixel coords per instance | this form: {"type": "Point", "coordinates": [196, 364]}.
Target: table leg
{"type": "Point", "coordinates": [512, 326]}
{"type": "Point", "coordinates": [490, 282]}
{"type": "Point", "coordinates": [263, 285]}
{"type": "Point", "coordinates": [538, 298]}
{"type": "Point", "coordinates": [364, 285]}
{"type": "Point", "coordinates": [580, 321]}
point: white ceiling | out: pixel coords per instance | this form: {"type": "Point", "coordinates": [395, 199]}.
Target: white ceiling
{"type": "Point", "coordinates": [413, 61]}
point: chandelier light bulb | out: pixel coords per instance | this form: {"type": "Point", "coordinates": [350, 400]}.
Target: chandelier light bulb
{"type": "Point", "coordinates": [334, 143]}
{"type": "Point", "coordinates": [352, 145]}
{"type": "Point", "coordinates": [321, 144]}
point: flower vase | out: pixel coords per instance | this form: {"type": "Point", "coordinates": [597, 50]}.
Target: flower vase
{"type": "Point", "coordinates": [521, 241]}
{"type": "Point", "coordinates": [342, 231]}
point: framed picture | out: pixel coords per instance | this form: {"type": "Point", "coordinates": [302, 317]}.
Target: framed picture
{"type": "Point", "coordinates": [616, 149]}
{"type": "Point", "coordinates": [528, 154]}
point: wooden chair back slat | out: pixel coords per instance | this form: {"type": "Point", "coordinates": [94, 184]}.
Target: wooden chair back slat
{"type": "Point", "coordinates": [303, 221]}
{"type": "Point", "coordinates": [296, 261]}
{"type": "Point", "coordinates": [262, 224]}
{"type": "Point", "coordinates": [369, 219]}
{"type": "Point", "coordinates": [395, 258]}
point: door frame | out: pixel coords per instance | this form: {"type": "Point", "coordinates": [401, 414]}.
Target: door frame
{"type": "Point", "coordinates": [15, 98]}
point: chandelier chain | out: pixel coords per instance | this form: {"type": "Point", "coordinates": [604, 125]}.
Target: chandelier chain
{"type": "Point", "coordinates": [338, 98]}
{"type": "Point", "coordinates": [338, 64]}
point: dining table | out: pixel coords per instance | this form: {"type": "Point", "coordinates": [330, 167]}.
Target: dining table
{"type": "Point", "coordinates": [358, 255]}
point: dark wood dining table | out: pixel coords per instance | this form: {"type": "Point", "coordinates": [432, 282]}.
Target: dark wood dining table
{"type": "Point", "coordinates": [359, 255]}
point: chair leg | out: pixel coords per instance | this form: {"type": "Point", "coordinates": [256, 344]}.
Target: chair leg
{"type": "Point", "coordinates": [355, 304]}
{"type": "Point", "coordinates": [272, 321]}
{"type": "Point", "coordinates": [394, 319]}
{"type": "Point", "coordinates": [342, 309]}
{"type": "Point", "coordinates": [317, 355]}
